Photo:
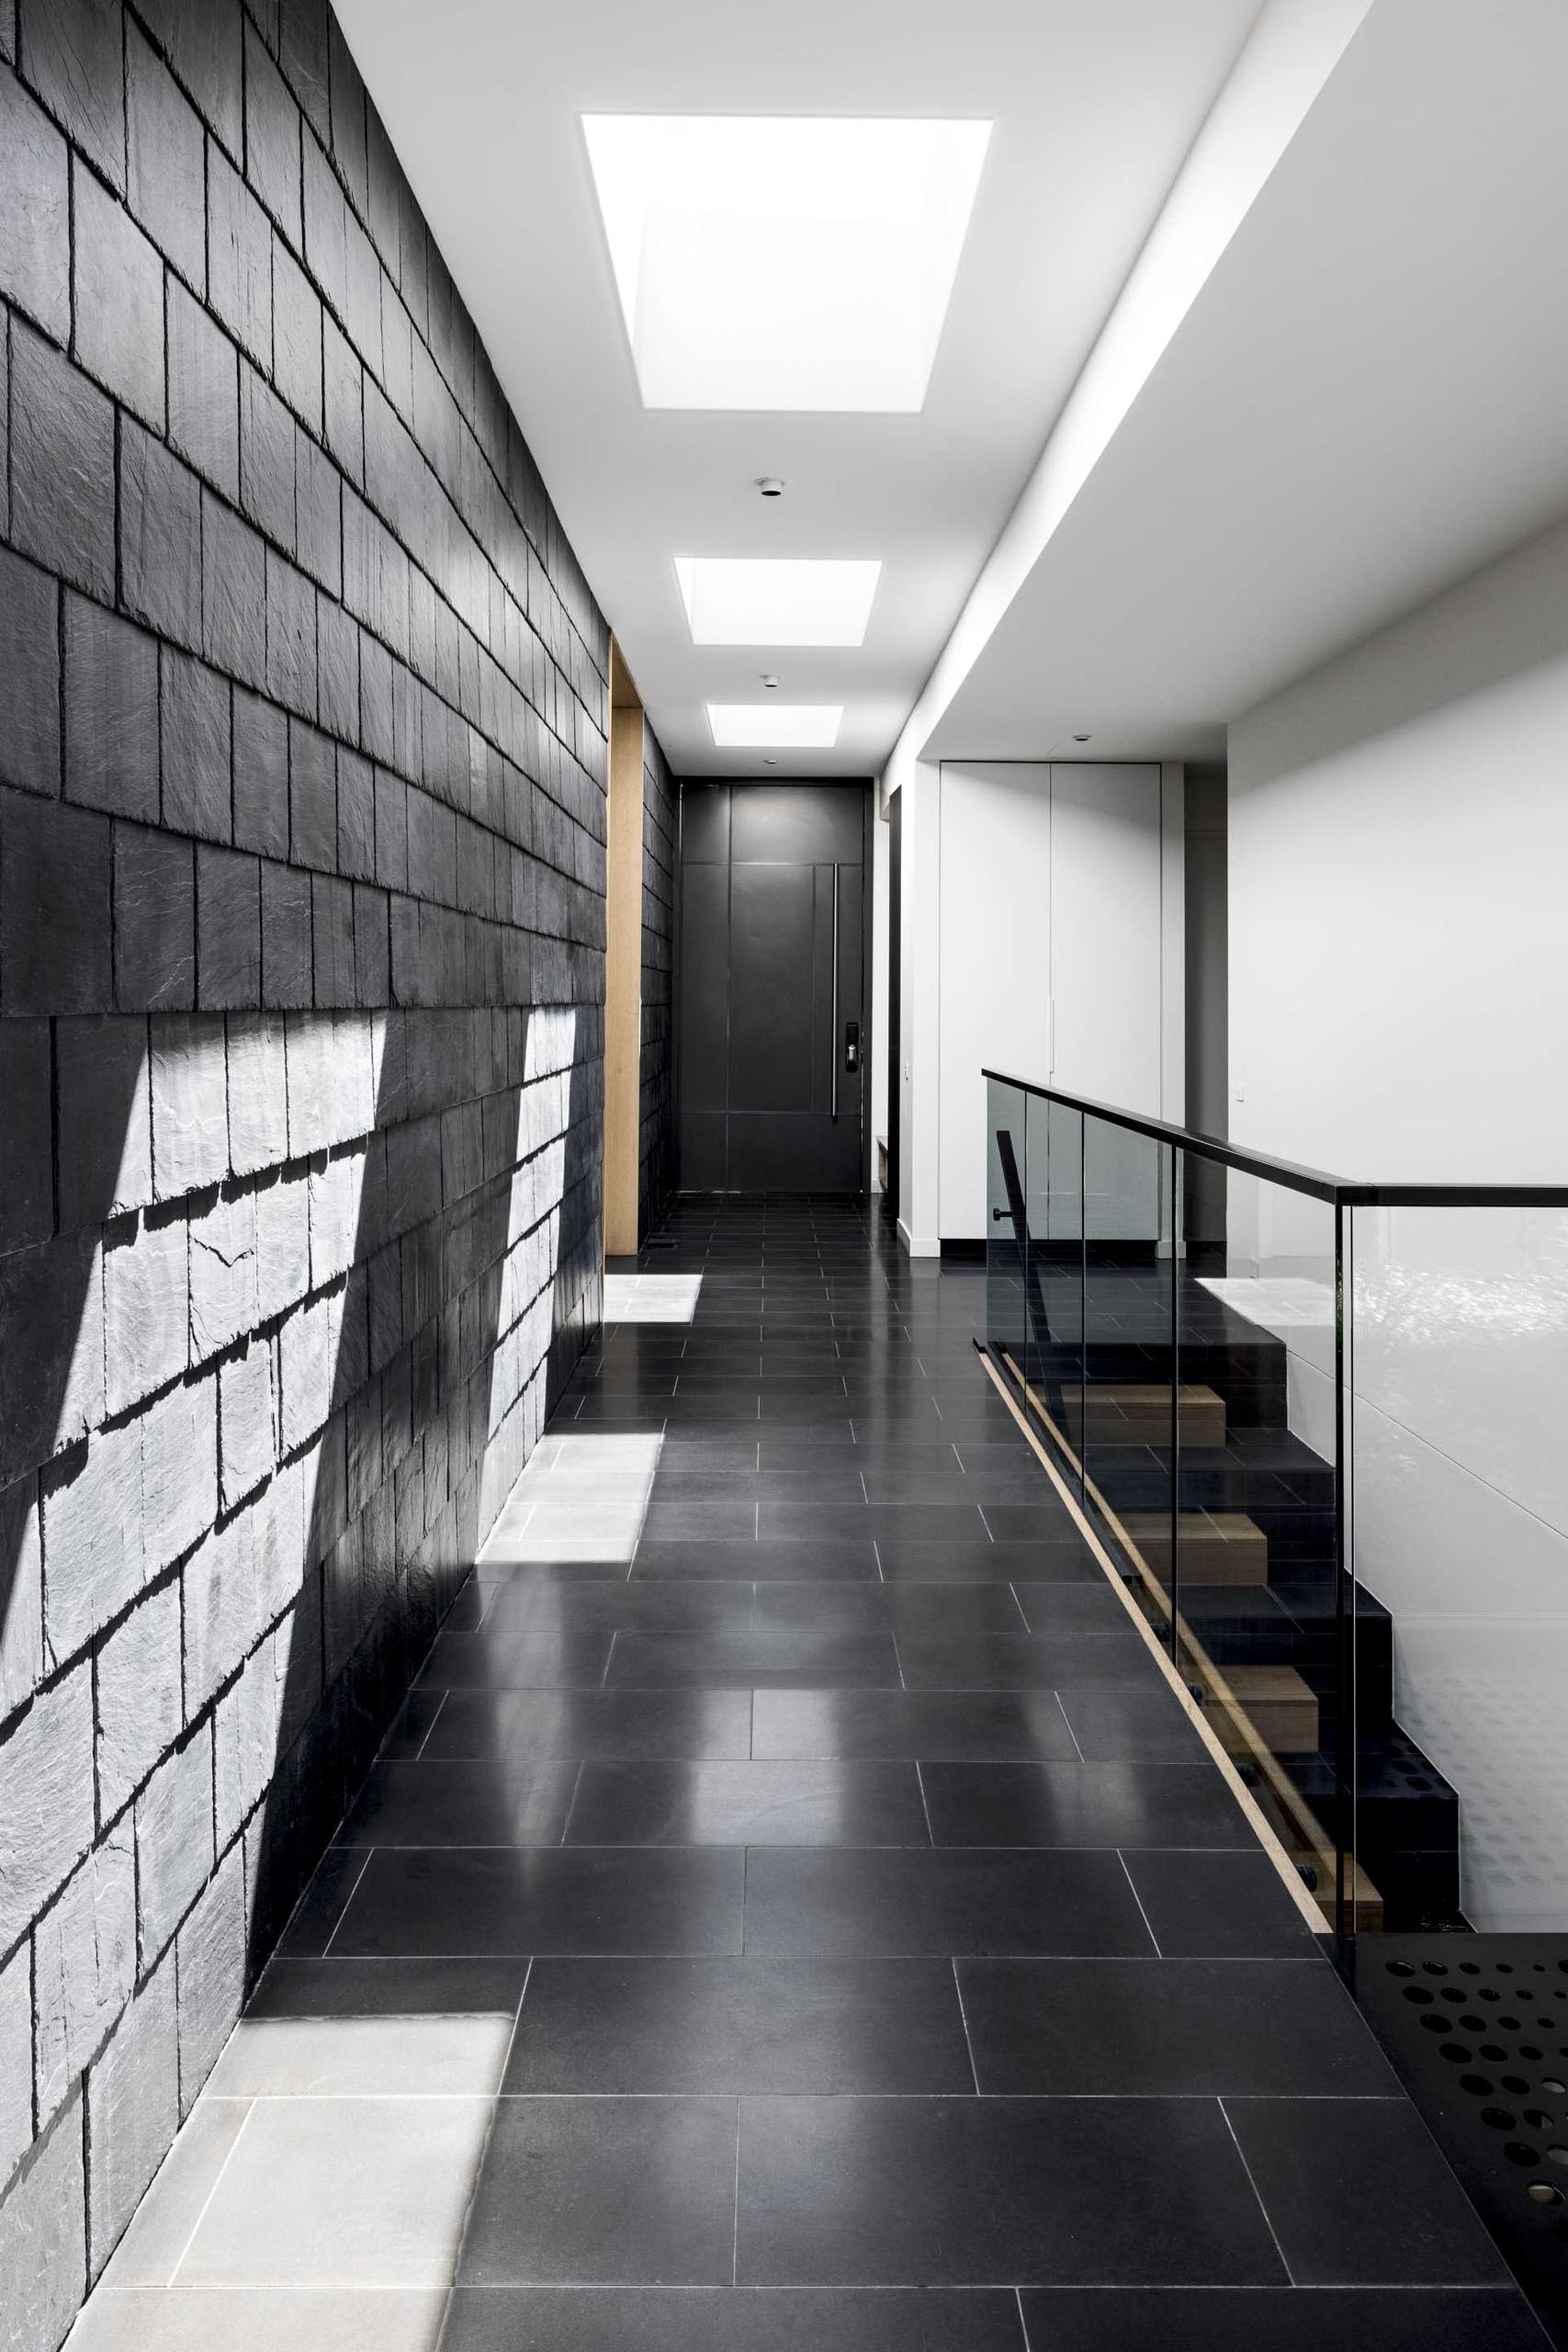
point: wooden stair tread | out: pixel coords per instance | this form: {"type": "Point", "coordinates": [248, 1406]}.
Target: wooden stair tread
{"type": "Point", "coordinates": [1140, 1411]}
{"type": "Point", "coordinates": [1148, 1393]}
{"type": "Point", "coordinates": [1216, 1547]}
{"type": "Point", "coordinates": [1281, 1707]}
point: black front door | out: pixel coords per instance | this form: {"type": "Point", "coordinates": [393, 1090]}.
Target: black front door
{"type": "Point", "coordinates": [769, 1009]}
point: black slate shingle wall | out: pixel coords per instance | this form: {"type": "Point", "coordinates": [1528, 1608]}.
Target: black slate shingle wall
{"type": "Point", "coordinates": [302, 713]}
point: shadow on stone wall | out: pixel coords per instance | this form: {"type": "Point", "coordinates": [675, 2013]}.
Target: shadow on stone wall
{"type": "Point", "coordinates": [250, 1445]}
{"type": "Point", "coordinates": [430, 1426]}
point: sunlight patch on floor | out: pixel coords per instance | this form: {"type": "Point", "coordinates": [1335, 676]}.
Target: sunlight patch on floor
{"type": "Point", "coordinates": [580, 1499]}
{"type": "Point", "coordinates": [650, 1298]}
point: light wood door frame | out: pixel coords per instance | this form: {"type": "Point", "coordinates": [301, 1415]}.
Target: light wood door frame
{"type": "Point", "coordinates": [623, 964]}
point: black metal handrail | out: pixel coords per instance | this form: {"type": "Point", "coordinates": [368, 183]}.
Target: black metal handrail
{"type": "Point", "coordinates": [1339, 1192]}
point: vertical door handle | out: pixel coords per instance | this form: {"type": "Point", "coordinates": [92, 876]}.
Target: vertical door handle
{"type": "Point", "coordinates": [833, 1022]}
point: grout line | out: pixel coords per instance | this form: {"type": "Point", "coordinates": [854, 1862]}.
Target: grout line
{"type": "Point", "coordinates": [958, 1457]}
{"type": "Point", "coordinates": [963, 2021]}
{"type": "Point", "coordinates": [1230, 2127]}
{"type": "Point", "coordinates": [604, 1677]}
{"type": "Point", "coordinates": [570, 1808]}
{"type": "Point", "coordinates": [925, 1808]}
{"type": "Point", "coordinates": [897, 1660]}
{"type": "Point", "coordinates": [496, 2097]}
{"type": "Point", "coordinates": [346, 1901]}
{"type": "Point", "coordinates": [984, 1523]}
{"type": "Point", "coordinates": [249, 2110]}
{"type": "Point", "coordinates": [876, 1550]}
{"type": "Point", "coordinates": [735, 2240]}
{"type": "Point", "coordinates": [1024, 1614]}
{"type": "Point", "coordinates": [436, 1718]}
{"type": "Point", "coordinates": [1139, 1901]}
{"type": "Point", "coordinates": [1071, 1733]}
{"type": "Point", "coordinates": [1024, 2324]}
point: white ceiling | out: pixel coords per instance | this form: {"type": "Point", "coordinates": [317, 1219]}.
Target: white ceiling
{"type": "Point", "coordinates": [1095, 104]}
{"type": "Point", "coordinates": [1368, 398]}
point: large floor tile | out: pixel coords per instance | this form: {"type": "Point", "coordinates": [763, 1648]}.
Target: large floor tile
{"type": "Point", "coordinates": [1096, 2029]}
{"type": "Point", "coordinates": [793, 1561]}
{"type": "Point", "coordinates": [942, 2192]}
{"type": "Point", "coordinates": [518, 1801]}
{"type": "Point", "coordinates": [148, 2253]}
{"type": "Point", "coordinates": [1216, 1905]}
{"type": "Point", "coordinates": [764, 1661]}
{"type": "Point", "coordinates": [315, 1917]}
{"type": "Point", "coordinates": [1060, 1606]}
{"type": "Point", "coordinates": [740, 2319]}
{"type": "Point", "coordinates": [824, 1483]}
{"type": "Point", "coordinates": [1358, 2195]}
{"type": "Point", "coordinates": [1111, 1723]}
{"type": "Point", "coordinates": [821, 2025]}
{"type": "Point", "coordinates": [1280, 2319]}
{"type": "Point", "coordinates": [747, 1805]}
{"type": "Point", "coordinates": [1029, 1522]}
{"type": "Point", "coordinates": [1023, 1661]}
{"type": "Point", "coordinates": [890, 1522]}
{"type": "Point", "coordinates": [951, 1900]}
{"type": "Point", "coordinates": [679, 1724]}
{"type": "Point", "coordinates": [606, 2191]}
{"type": "Point", "coordinates": [919, 1724]}
{"type": "Point", "coordinates": [1082, 1804]}
{"type": "Point", "coordinates": [478, 1661]}
{"type": "Point", "coordinates": [919, 1559]}
{"type": "Point", "coordinates": [905, 1609]}
{"type": "Point", "coordinates": [486, 1901]}
{"type": "Point", "coordinates": [340, 2057]}
{"type": "Point", "coordinates": [610, 1604]}
{"type": "Point", "coordinates": [261, 2319]}
{"type": "Point", "coordinates": [341, 2192]}
{"type": "Point", "coordinates": [672, 1521]}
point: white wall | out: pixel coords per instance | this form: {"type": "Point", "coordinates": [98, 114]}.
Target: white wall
{"type": "Point", "coordinates": [993, 929]}
{"type": "Point", "coordinates": [1398, 852]}
{"type": "Point", "coordinates": [1061, 955]}
{"type": "Point", "coordinates": [876, 1058]}
{"type": "Point", "coordinates": [918, 1009]}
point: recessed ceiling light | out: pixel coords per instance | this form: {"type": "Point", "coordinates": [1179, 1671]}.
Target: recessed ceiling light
{"type": "Point", "coordinates": [798, 726]}
{"type": "Point", "coordinates": [784, 262]}
{"type": "Point", "coordinates": [787, 599]}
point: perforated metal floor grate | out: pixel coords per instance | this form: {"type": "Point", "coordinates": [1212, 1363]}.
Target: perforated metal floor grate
{"type": "Point", "coordinates": [1478, 2028]}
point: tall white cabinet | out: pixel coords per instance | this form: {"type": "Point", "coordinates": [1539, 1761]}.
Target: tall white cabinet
{"type": "Point", "coordinates": [1060, 960]}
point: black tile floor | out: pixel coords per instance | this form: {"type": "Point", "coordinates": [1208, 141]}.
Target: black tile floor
{"type": "Point", "coordinates": [792, 1910]}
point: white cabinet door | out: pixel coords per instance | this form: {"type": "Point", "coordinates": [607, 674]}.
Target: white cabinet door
{"type": "Point", "coordinates": [995, 949]}
{"type": "Point", "coordinates": [1106, 976]}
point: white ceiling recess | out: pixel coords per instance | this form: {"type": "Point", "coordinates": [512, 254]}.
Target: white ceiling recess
{"type": "Point", "coordinates": [1093, 103]}
{"type": "Point", "coordinates": [1367, 400]}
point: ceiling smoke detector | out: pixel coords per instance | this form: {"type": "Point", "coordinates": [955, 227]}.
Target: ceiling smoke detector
{"type": "Point", "coordinates": [1081, 738]}
{"type": "Point", "coordinates": [770, 485]}
{"type": "Point", "coordinates": [770, 680]}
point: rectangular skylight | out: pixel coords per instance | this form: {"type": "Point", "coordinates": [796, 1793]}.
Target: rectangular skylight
{"type": "Point", "coordinates": [784, 262]}
{"type": "Point", "coordinates": [764, 600]}
{"type": "Point", "coordinates": [798, 726]}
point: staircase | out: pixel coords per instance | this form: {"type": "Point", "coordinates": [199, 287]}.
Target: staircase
{"type": "Point", "coordinates": [1256, 1583]}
